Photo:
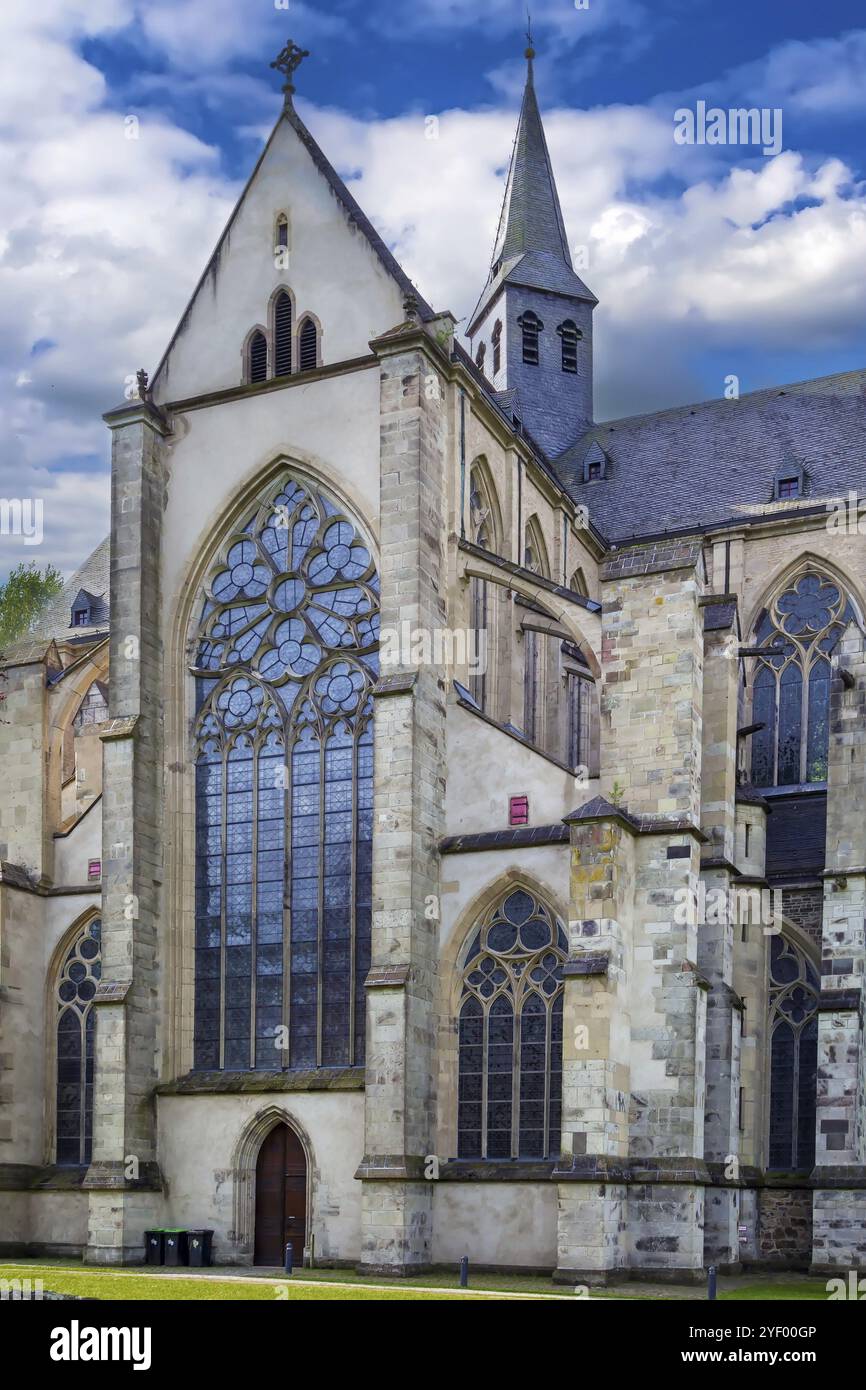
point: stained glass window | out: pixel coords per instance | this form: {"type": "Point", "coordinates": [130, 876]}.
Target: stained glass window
{"type": "Point", "coordinates": [793, 1004]}
{"type": "Point", "coordinates": [76, 1033]}
{"type": "Point", "coordinates": [791, 686]}
{"type": "Point", "coordinates": [510, 1033]}
{"type": "Point", "coordinates": [286, 657]}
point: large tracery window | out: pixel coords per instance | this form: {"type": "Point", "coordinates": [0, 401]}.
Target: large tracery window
{"type": "Point", "coordinates": [510, 1033]}
{"type": "Point", "coordinates": [286, 658]}
{"type": "Point", "coordinates": [793, 1004]}
{"type": "Point", "coordinates": [76, 1045]}
{"type": "Point", "coordinates": [791, 689]}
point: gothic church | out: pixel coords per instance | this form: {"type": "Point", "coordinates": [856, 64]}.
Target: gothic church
{"type": "Point", "coordinates": [406, 959]}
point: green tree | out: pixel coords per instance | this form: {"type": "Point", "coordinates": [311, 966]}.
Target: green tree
{"type": "Point", "coordinates": [22, 598]}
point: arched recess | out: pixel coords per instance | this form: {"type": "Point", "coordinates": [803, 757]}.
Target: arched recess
{"type": "Point", "coordinates": [485, 600]}
{"type": "Point", "coordinates": [452, 962]}
{"type": "Point", "coordinates": [256, 355]}
{"type": "Point", "coordinates": [65, 699]}
{"type": "Point", "coordinates": [244, 1159]}
{"type": "Point", "coordinates": [53, 977]}
{"type": "Point", "coordinates": [535, 557]}
{"type": "Point", "coordinates": [800, 623]}
{"type": "Point", "coordinates": [178, 946]}
{"type": "Point", "coordinates": [282, 332]}
{"type": "Point", "coordinates": [309, 342]}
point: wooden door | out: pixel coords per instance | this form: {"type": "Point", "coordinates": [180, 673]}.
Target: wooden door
{"type": "Point", "coordinates": [281, 1197]}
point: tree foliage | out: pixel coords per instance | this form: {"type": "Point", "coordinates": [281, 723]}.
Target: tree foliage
{"type": "Point", "coordinates": [22, 598]}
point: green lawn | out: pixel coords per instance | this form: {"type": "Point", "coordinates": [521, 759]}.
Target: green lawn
{"type": "Point", "coordinates": [65, 1276]}
{"type": "Point", "coordinates": [156, 1287]}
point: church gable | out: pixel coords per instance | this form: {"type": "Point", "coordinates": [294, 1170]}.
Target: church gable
{"type": "Point", "coordinates": [299, 279]}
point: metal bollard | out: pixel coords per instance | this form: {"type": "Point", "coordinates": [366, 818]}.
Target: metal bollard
{"type": "Point", "coordinates": [711, 1282]}
{"type": "Point", "coordinates": [290, 1257]}
{"type": "Point", "coordinates": [464, 1272]}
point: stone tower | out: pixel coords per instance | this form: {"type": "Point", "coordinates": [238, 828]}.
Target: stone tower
{"type": "Point", "coordinates": [531, 331]}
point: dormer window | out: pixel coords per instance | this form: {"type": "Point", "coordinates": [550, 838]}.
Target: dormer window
{"type": "Point", "coordinates": [531, 326]}
{"type": "Point", "coordinates": [496, 339]}
{"type": "Point", "coordinates": [479, 356]}
{"type": "Point", "coordinates": [81, 616]}
{"type": "Point", "coordinates": [789, 487]}
{"type": "Point", "coordinates": [593, 472]}
{"type": "Point", "coordinates": [570, 335]}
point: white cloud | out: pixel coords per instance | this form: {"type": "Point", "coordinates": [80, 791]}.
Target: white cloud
{"type": "Point", "coordinates": [103, 238]}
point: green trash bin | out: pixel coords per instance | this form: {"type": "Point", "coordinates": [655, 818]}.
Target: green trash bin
{"type": "Point", "coordinates": [154, 1247]}
{"type": "Point", "coordinates": [176, 1248]}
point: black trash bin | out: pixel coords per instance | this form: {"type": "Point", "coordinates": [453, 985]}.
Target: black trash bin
{"type": "Point", "coordinates": [154, 1247]}
{"type": "Point", "coordinates": [200, 1244]}
{"type": "Point", "coordinates": [176, 1248]}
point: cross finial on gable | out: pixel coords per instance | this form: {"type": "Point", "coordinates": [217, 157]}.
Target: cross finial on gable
{"type": "Point", "coordinates": [287, 62]}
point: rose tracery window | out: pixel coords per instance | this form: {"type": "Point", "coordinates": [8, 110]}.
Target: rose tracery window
{"type": "Point", "coordinates": [791, 689]}
{"type": "Point", "coordinates": [793, 1004]}
{"type": "Point", "coordinates": [286, 657]}
{"type": "Point", "coordinates": [76, 1037]}
{"type": "Point", "coordinates": [510, 1033]}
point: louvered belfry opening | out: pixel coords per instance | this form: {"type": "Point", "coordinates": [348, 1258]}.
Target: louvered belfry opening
{"type": "Point", "coordinates": [282, 335]}
{"type": "Point", "coordinates": [258, 357]}
{"type": "Point", "coordinates": [308, 346]}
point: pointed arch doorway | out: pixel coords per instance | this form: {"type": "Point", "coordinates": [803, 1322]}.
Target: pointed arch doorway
{"type": "Point", "coordinates": [281, 1197]}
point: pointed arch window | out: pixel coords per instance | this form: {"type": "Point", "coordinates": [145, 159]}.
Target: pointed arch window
{"type": "Point", "coordinates": [282, 334]}
{"type": "Point", "coordinates": [496, 340]}
{"type": "Point", "coordinates": [531, 327]}
{"type": "Point", "coordinates": [570, 335]}
{"type": "Point", "coordinates": [482, 602]}
{"type": "Point", "coordinates": [257, 357]}
{"type": "Point", "coordinates": [793, 1029]}
{"type": "Point", "coordinates": [480, 356]}
{"type": "Point", "coordinates": [76, 1045]}
{"type": "Point", "coordinates": [308, 346]}
{"type": "Point", "coordinates": [510, 1033]}
{"type": "Point", "coordinates": [791, 684]}
{"type": "Point", "coordinates": [286, 659]}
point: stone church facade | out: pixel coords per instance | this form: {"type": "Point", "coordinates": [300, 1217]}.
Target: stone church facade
{"type": "Point", "coordinates": [432, 823]}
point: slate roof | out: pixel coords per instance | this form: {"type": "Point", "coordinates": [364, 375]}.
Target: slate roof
{"type": "Point", "coordinates": [700, 465]}
{"type": "Point", "coordinates": [93, 576]}
{"type": "Point", "coordinates": [531, 246]}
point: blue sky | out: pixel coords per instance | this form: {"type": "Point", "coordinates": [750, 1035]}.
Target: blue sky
{"type": "Point", "coordinates": [707, 261]}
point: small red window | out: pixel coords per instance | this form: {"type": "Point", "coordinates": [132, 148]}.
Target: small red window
{"type": "Point", "coordinates": [518, 810]}
{"type": "Point", "coordinates": [94, 869]}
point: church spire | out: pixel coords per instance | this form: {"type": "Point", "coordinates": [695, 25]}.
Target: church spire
{"type": "Point", "coordinates": [531, 218]}
{"type": "Point", "coordinates": [531, 331]}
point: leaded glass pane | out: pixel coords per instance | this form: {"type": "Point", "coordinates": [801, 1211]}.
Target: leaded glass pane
{"type": "Point", "coordinates": [286, 657]}
{"type": "Point", "coordinates": [76, 1046]}
{"type": "Point", "coordinates": [791, 687]}
{"type": "Point", "coordinates": [510, 1034]}
{"type": "Point", "coordinates": [793, 1021]}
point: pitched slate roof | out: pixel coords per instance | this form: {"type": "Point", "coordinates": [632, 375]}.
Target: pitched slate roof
{"type": "Point", "coordinates": [531, 246]}
{"type": "Point", "coordinates": [703, 464]}
{"type": "Point", "coordinates": [93, 577]}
